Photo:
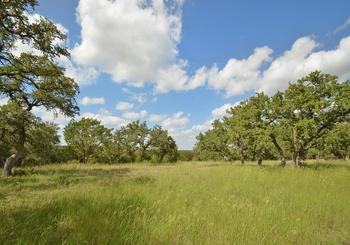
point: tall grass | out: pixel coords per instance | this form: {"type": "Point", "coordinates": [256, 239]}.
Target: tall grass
{"type": "Point", "coordinates": [187, 203]}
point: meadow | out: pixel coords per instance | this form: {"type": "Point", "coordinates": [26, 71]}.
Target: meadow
{"type": "Point", "coordinates": [183, 203]}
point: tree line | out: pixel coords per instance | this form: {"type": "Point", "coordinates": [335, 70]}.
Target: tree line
{"type": "Point", "coordinates": [310, 119]}
{"type": "Point", "coordinates": [135, 142]}
{"type": "Point", "coordinates": [87, 141]}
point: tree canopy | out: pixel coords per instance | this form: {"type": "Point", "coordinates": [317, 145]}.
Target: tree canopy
{"type": "Point", "coordinates": [32, 79]}
{"type": "Point", "coordinates": [288, 123]}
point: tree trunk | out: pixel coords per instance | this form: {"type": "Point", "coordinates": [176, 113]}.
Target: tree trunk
{"type": "Point", "coordinates": [298, 150]}
{"type": "Point", "coordinates": [297, 160]}
{"type": "Point", "coordinates": [15, 159]}
{"type": "Point", "coordinates": [161, 158]}
{"type": "Point", "coordinates": [283, 161]}
{"type": "Point", "coordinates": [242, 159]}
{"type": "Point", "coordinates": [260, 161]}
{"type": "Point", "coordinates": [279, 150]}
{"type": "Point", "coordinates": [241, 154]}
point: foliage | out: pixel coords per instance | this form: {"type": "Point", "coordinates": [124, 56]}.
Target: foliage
{"type": "Point", "coordinates": [42, 138]}
{"type": "Point", "coordinates": [287, 124]}
{"type": "Point", "coordinates": [134, 142]}
{"type": "Point", "coordinates": [185, 155]}
{"type": "Point", "coordinates": [86, 137]}
{"type": "Point", "coordinates": [162, 145]}
{"type": "Point", "coordinates": [32, 79]}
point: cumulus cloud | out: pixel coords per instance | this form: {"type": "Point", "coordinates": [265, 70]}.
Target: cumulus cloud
{"type": "Point", "coordinates": [247, 75]}
{"type": "Point", "coordinates": [301, 59]}
{"type": "Point", "coordinates": [239, 76]}
{"type": "Point", "coordinates": [140, 98]}
{"type": "Point", "coordinates": [175, 122]}
{"type": "Point", "coordinates": [222, 110]}
{"type": "Point", "coordinates": [133, 115]}
{"type": "Point", "coordinates": [153, 118]}
{"type": "Point", "coordinates": [124, 106]}
{"type": "Point", "coordinates": [92, 101]}
{"type": "Point", "coordinates": [186, 139]}
{"type": "Point", "coordinates": [185, 136]}
{"type": "Point", "coordinates": [135, 42]}
{"type": "Point", "coordinates": [53, 117]}
{"type": "Point", "coordinates": [83, 75]}
{"type": "Point", "coordinates": [106, 118]}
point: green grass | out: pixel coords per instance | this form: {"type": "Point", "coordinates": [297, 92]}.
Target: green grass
{"type": "Point", "coordinates": [187, 203]}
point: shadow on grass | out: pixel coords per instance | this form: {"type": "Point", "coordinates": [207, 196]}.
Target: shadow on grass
{"type": "Point", "coordinates": [97, 172]}
{"type": "Point", "coordinates": [42, 179]}
{"type": "Point", "coordinates": [77, 221]}
{"type": "Point", "coordinates": [319, 166]}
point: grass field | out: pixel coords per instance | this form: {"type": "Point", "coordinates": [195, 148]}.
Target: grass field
{"type": "Point", "coordinates": [186, 203]}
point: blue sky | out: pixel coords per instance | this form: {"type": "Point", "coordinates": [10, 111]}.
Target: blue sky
{"type": "Point", "coordinates": [181, 64]}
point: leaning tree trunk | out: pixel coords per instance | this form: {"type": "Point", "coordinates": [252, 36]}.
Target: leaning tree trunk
{"type": "Point", "coordinates": [15, 159]}
{"type": "Point", "coordinates": [279, 150]}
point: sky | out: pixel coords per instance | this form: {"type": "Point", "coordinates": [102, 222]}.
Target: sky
{"type": "Point", "coordinates": [182, 63]}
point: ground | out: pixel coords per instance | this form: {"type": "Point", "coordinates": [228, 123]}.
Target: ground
{"type": "Point", "coordinates": [185, 203]}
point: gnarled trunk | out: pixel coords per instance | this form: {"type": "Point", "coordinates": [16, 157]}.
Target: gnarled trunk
{"type": "Point", "coordinates": [15, 159]}
{"type": "Point", "coordinates": [279, 150]}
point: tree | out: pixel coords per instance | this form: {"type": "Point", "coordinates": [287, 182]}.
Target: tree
{"type": "Point", "coordinates": [13, 122]}
{"type": "Point", "coordinates": [337, 142]}
{"type": "Point", "coordinates": [32, 79]}
{"type": "Point", "coordinates": [312, 106]}
{"type": "Point", "coordinates": [138, 140]}
{"type": "Point", "coordinates": [112, 151]}
{"type": "Point", "coordinates": [162, 145]}
{"type": "Point", "coordinates": [42, 138]}
{"type": "Point", "coordinates": [86, 137]}
{"type": "Point", "coordinates": [42, 142]}
{"type": "Point", "coordinates": [216, 142]}
{"type": "Point", "coordinates": [293, 122]}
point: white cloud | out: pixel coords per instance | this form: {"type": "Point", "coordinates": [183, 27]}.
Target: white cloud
{"type": "Point", "coordinates": [186, 139]}
{"type": "Point", "coordinates": [53, 117]}
{"type": "Point", "coordinates": [132, 115]}
{"type": "Point", "coordinates": [92, 101]}
{"type": "Point", "coordinates": [153, 118]}
{"type": "Point", "coordinates": [247, 75]}
{"type": "Point", "coordinates": [222, 110]}
{"type": "Point", "coordinates": [83, 75]}
{"type": "Point", "coordinates": [50, 116]}
{"type": "Point", "coordinates": [135, 42]}
{"type": "Point", "coordinates": [124, 106]}
{"type": "Point", "coordinates": [140, 98]}
{"type": "Point", "coordinates": [301, 60]}
{"type": "Point", "coordinates": [106, 118]}
{"type": "Point", "coordinates": [176, 121]}
{"type": "Point", "coordinates": [239, 76]}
